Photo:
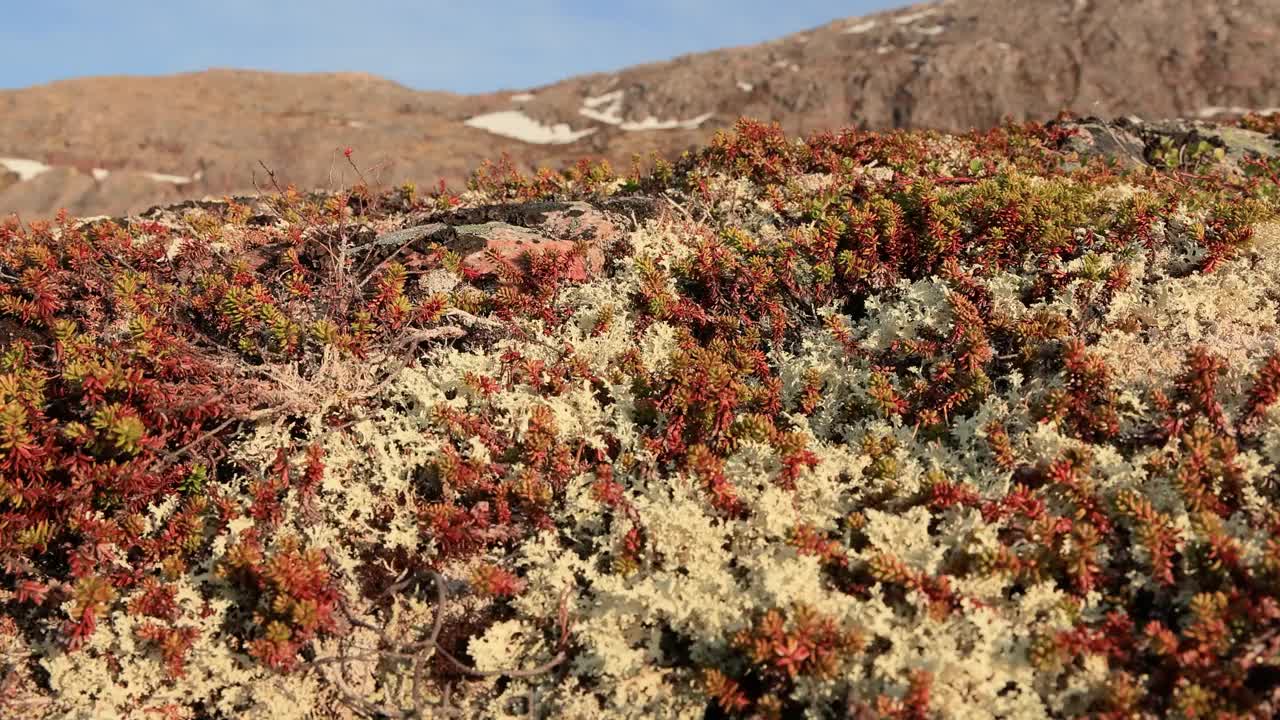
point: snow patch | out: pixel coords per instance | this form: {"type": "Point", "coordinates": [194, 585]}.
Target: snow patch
{"type": "Point", "coordinates": [517, 125]}
{"type": "Point", "coordinates": [161, 177]}
{"type": "Point", "coordinates": [745, 86]}
{"type": "Point", "coordinates": [612, 104]}
{"type": "Point", "coordinates": [522, 97]}
{"type": "Point", "coordinates": [652, 123]}
{"type": "Point", "coordinates": [607, 109]}
{"type": "Point", "coordinates": [860, 27]}
{"type": "Point", "coordinates": [26, 169]}
{"type": "Point", "coordinates": [1211, 110]}
{"type": "Point", "coordinates": [931, 30]}
{"type": "Point", "coordinates": [908, 19]}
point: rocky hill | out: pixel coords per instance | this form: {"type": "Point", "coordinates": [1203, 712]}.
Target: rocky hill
{"type": "Point", "coordinates": [119, 144]}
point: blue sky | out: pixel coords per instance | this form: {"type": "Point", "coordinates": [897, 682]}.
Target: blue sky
{"type": "Point", "coordinates": [459, 45]}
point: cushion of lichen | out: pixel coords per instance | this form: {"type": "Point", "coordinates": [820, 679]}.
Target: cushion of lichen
{"type": "Point", "coordinates": [1235, 312]}
{"type": "Point", "coordinates": [714, 573]}
{"type": "Point", "coordinates": [706, 575]}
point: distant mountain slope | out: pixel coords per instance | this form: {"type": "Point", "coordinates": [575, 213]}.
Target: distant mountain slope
{"type": "Point", "coordinates": [122, 144]}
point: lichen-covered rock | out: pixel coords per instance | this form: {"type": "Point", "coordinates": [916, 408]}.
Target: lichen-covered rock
{"type": "Point", "coordinates": [1133, 142]}
{"type": "Point", "coordinates": [513, 231]}
{"type": "Point", "coordinates": [1111, 140]}
{"type": "Point", "coordinates": [511, 243]}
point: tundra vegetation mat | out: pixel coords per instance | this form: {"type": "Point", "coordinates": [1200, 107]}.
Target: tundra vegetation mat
{"type": "Point", "coordinates": [903, 425]}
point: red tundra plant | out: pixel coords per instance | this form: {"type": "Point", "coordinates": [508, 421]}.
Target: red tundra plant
{"type": "Point", "coordinates": [295, 594]}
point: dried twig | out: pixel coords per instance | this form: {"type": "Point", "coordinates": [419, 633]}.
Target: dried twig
{"type": "Point", "coordinates": [298, 398]}
{"type": "Point", "coordinates": [271, 174]}
{"type": "Point", "coordinates": [369, 275]}
{"type": "Point", "coordinates": [677, 206]}
{"type": "Point", "coordinates": [408, 343]}
{"type": "Point", "coordinates": [417, 653]}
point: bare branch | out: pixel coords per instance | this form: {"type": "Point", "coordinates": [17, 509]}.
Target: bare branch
{"type": "Point", "coordinates": [421, 651]}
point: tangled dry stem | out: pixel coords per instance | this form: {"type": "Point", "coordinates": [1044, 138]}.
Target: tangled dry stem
{"type": "Point", "coordinates": [418, 653]}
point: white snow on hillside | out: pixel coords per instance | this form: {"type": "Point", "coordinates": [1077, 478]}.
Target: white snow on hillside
{"type": "Point", "coordinates": [912, 17]}
{"type": "Point", "coordinates": [161, 177]}
{"type": "Point", "coordinates": [515, 124]}
{"type": "Point", "coordinates": [1212, 110]}
{"type": "Point", "coordinates": [860, 27]}
{"type": "Point", "coordinates": [612, 103]}
{"type": "Point", "coordinates": [607, 109]}
{"type": "Point", "coordinates": [652, 123]}
{"type": "Point", "coordinates": [26, 169]}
